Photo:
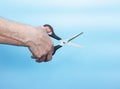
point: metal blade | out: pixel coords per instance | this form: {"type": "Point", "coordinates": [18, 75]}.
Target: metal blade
{"type": "Point", "coordinates": [73, 37]}
{"type": "Point", "coordinates": [76, 45]}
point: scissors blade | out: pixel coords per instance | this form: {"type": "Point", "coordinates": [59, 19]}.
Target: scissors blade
{"type": "Point", "coordinates": [76, 45]}
{"type": "Point", "coordinates": [73, 37]}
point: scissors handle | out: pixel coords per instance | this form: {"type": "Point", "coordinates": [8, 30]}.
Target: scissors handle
{"type": "Point", "coordinates": [56, 48]}
{"type": "Point", "coordinates": [51, 32]}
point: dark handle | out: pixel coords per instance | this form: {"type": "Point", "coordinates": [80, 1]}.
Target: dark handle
{"type": "Point", "coordinates": [53, 35]}
{"type": "Point", "coordinates": [56, 48]}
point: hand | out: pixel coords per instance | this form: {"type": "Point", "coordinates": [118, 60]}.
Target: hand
{"type": "Point", "coordinates": [36, 39]}
{"type": "Point", "coordinates": [40, 45]}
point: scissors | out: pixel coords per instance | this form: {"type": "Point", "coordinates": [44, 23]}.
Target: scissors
{"type": "Point", "coordinates": [63, 42]}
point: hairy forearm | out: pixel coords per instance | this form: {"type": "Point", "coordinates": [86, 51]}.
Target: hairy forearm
{"type": "Point", "coordinates": [13, 33]}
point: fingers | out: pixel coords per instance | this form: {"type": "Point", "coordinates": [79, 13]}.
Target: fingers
{"type": "Point", "coordinates": [44, 57]}
{"type": "Point", "coordinates": [49, 55]}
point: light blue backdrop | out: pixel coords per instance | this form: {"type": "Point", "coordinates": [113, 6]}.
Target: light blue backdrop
{"type": "Point", "coordinates": [97, 66]}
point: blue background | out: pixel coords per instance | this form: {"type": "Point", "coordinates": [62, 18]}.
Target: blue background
{"type": "Point", "coordinates": [96, 66]}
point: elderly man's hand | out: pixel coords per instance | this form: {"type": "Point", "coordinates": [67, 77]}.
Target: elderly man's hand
{"type": "Point", "coordinates": [40, 45]}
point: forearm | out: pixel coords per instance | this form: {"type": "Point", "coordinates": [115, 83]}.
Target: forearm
{"type": "Point", "coordinates": [13, 33]}
{"type": "Point", "coordinates": [6, 40]}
